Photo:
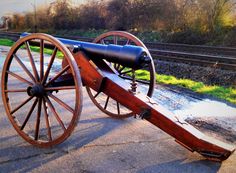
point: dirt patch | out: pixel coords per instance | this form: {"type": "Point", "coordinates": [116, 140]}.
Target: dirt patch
{"type": "Point", "coordinates": [208, 75]}
{"type": "Point", "coordinates": [214, 129]}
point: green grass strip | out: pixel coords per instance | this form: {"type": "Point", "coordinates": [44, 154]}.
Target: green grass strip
{"type": "Point", "coordinates": [47, 51]}
{"type": "Point", "coordinates": [6, 42]}
{"type": "Point", "coordinates": [225, 93]}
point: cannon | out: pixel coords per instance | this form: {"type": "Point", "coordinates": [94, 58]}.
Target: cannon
{"type": "Point", "coordinates": [42, 93]}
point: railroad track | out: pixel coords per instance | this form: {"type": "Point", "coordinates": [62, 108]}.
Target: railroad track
{"type": "Point", "coordinates": [211, 50]}
{"type": "Point", "coordinates": [217, 57]}
{"type": "Point", "coordinates": [10, 35]}
{"type": "Point", "coordinates": [215, 61]}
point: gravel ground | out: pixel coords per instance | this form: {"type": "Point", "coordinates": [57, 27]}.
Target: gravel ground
{"type": "Point", "coordinates": [208, 75]}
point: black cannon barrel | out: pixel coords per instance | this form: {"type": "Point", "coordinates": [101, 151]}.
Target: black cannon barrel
{"type": "Point", "coordinates": [128, 55]}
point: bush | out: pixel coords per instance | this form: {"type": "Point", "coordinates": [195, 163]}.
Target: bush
{"type": "Point", "coordinates": [148, 36]}
{"type": "Point", "coordinates": [230, 38]}
{"type": "Point", "coordinates": [187, 37]}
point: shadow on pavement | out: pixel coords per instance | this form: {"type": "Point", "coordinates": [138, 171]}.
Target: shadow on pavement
{"type": "Point", "coordinates": [22, 157]}
{"type": "Point", "coordinates": [177, 166]}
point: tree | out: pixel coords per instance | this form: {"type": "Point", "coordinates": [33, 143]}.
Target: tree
{"type": "Point", "coordinates": [91, 15]}
{"type": "Point", "coordinates": [152, 14]}
{"type": "Point", "coordinates": [215, 14]}
{"type": "Point", "coordinates": [4, 22]}
{"type": "Point", "coordinates": [118, 14]}
{"type": "Point", "coordinates": [60, 11]}
{"type": "Point", "coordinates": [17, 21]}
{"type": "Point", "coordinates": [199, 16]}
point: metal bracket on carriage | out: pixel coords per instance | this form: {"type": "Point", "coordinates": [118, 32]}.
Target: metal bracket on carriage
{"type": "Point", "coordinates": [75, 48]}
{"type": "Point", "coordinates": [145, 114]}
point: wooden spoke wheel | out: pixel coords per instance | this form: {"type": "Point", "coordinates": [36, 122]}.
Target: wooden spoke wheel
{"type": "Point", "coordinates": [42, 101]}
{"type": "Point", "coordinates": [104, 102]}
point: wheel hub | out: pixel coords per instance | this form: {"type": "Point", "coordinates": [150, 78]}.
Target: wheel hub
{"type": "Point", "coordinates": [36, 90]}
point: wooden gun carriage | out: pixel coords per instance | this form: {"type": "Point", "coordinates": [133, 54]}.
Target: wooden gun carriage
{"type": "Point", "coordinates": [42, 93]}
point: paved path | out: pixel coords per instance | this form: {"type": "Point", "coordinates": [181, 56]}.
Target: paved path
{"type": "Point", "coordinates": [102, 144]}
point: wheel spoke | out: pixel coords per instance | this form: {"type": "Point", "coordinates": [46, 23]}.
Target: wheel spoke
{"type": "Point", "coordinates": [63, 104]}
{"type": "Point", "coordinates": [105, 107]}
{"type": "Point", "coordinates": [24, 67]}
{"type": "Point", "coordinates": [118, 107]}
{"type": "Point", "coordinates": [121, 69]}
{"type": "Point", "coordinates": [115, 39]}
{"type": "Point", "coordinates": [36, 135]}
{"type": "Point", "coordinates": [41, 59]}
{"type": "Point", "coordinates": [102, 42]}
{"type": "Point", "coordinates": [32, 61]}
{"type": "Point", "coordinates": [49, 66]}
{"type": "Point", "coordinates": [96, 94]}
{"type": "Point", "coordinates": [55, 113]}
{"type": "Point", "coordinates": [117, 66]}
{"type": "Point", "coordinates": [15, 90]}
{"type": "Point", "coordinates": [29, 89]}
{"type": "Point", "coordinates": [125, 72]}
{"type": "Point", "coordinates": [47, 120]}
{"type": "Point", "coordinates": [58, 75]}
{"type": "Point", "coordinates": [59, 88]}
{"type": "Point", "coordinates": [128, 42]}
{"type": "Point", "coordinates": [19, 78]}
{"type": "Point", "coordinates": [22, 104]}
{"type": "Point", "coordinates": [29, 114]}
{"type": "Point", "coordinates": [122, 38]}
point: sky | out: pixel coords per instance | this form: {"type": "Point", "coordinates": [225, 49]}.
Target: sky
{"type": "Point", "coordinates": [11, 6]}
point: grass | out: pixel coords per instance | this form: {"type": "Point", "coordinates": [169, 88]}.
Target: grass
{"type": "Point", "coordinates": [46, 51]}
{"type": "Point", "coordinates": [6, 42]}
{"type": "Point", "coordinates": [228, 94]}
{"type": "Point", "coordinates": [225, 93]}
